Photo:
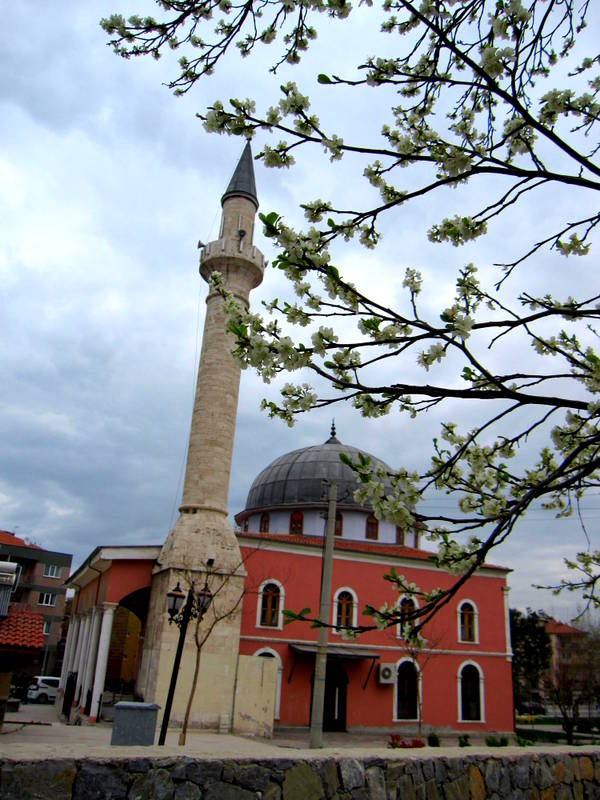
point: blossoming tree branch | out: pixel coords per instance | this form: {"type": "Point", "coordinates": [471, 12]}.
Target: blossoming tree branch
{"type": "Point", "coordinates": [497, 96]}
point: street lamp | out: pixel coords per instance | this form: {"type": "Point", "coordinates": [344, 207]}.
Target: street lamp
{"type": "Point", "coordinates": [195, 607]}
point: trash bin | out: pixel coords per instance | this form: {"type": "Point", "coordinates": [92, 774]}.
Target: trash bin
{"type": "Point", "coordinates": [135, 723]}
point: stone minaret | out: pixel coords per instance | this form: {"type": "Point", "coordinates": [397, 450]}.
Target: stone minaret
{"type": "Point", "coordinates": [202, 530]}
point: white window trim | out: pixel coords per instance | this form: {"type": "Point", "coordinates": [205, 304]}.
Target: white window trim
{"type": "Point", "coordinates": [476, 614]}
{"type": "Point", "coordinates": [277, 658]}
{"type": "Point", "coordinates": [51, 595]}
{"type": "Point", "coordinates": [395, 717]}
{"type": "Point", "coordinates": [334, 608]}
{"type": "Point", "coordinates": [481, 694]}
{"type": "Point", "coordinates": [47, 567]}
{"type": "Point", "coordinates": [279, 625]}
{"type": "Point", "coordinates": [399, 601]}
{"type": "Point", "coordinates": [47, 627]}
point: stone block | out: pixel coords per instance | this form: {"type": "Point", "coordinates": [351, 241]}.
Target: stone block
{"type": "Point", "coordinates": [520, 773]}
{"type": "Point", "coordinates": [431, 790]}
{"type": "Point", "coordinates": [251, 776]}
{"type": "Point", "coordinates": [352, 773]}
{"type": "Point", "coordinates": [329, 776]}
{"type": "Point", "coordinates": [376, 783]}
{"type": "Point", "coordinates": [476, 783]}
{"type": "Point", "coordinates": [542, 775]}
{"type": "Point", "coordinates": [154, 785]}
{"type": "Point", "coordinates": [225, 791]}
{"type": "Point", "coordinates": [187, 791]}
{"type": "Point", "coordinates": [97, 781]}
{"type": "Point", "coordinates": [196, 771]}
{"type": "Point", "coordinates": [301, 783]}
{"type": "Point", "coordinates": [405, 788]}
{"type": "Point", "coordinates": [564, 793]}
{"type": "Point", "coordinates": [492, 775]}
{"type": "Point", "coordinates": [46, 780]}
{"type": "Point", "coordinates": [586, 768]}
{"type": "Point", "coordinates": [457, 789]}
{"type": "Point", "coordinates": [272, 792]}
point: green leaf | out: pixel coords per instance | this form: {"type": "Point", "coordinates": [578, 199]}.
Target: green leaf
{"type": "Point", "coordinates": [322, 78]}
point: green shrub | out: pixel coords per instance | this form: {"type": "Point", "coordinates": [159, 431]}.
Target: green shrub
{"type": "Point", "coordinates": [523, 742]}
{"type": "Point", "coordinates": [433, 740]}
{"type": "Point", "coordinates": [463, 740]}
{"type": "Point", "coordinates": [494, 741]}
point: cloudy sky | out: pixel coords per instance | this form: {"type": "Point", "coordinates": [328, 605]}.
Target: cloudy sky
{"type": "Point", "coordinates": [107, 182]}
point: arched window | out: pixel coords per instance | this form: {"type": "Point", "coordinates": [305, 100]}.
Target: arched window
{"type": "Point", "coordinates": [372, 527]}
{"type": "Point", "coordinates": [339, 523]}
{"type": "Point", "coordinates": [407, 609]}
{"type": "Point", "coordinates": [407, 688]}
{"type": "Point", "coordinates": [296, 523]}
{"type": "Point", "coordinates": [270, 605]}
{"type": "Point", "coordinates": [267, 652]}
{"type": "Point", "coordinates": [470, 693]}
{"type": "Point", "coordinates": [399, 535]}
{"type": "Point", "coordinates": [344, 609]}
{"type": "Point", "coordinates": [467, 622]}
{"type": "Point", "coordinates": [264, 522]}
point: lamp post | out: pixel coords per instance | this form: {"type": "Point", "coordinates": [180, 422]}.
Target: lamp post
{"type": "Point", "coordinates": [196, 606]}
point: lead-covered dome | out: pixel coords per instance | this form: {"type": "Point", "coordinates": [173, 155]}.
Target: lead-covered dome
{"type": "Point", "coordinates": [296, 479]}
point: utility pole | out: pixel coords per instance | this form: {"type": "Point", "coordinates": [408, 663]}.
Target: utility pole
{"type": "Point", "coordinates": [318, 698]}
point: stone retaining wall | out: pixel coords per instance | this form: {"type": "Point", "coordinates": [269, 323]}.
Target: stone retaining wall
{"type": "Point", "coordinates": [532, 776]}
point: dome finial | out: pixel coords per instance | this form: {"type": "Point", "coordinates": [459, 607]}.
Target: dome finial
{"type": "Point", "coordinates": [333, 438]}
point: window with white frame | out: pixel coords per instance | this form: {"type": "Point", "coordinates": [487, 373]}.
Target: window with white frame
{"type": "Point", "coordinates": [270, 604]}
{"type": "Point", "coordinates": [468, 629]}
{"type": "Point", "coordinates": [345, 605]}
{"type": "Point", "coordinates": [47, 599]}
{"type": "Point", "coordinates": [51, 571]}
{"type": "Point", "coordinates": [470, 693]}
{"type": "Point", "coordinates": [407, 608]}
{"type": "Point", "coordinates": [47, 626]}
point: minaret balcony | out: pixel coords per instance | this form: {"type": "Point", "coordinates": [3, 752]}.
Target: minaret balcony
{"type": "Point", "coordinates": [236, 256]}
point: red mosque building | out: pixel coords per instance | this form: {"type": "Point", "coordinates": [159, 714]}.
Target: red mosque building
{"type": "Point", "coordinates": [460, 680]}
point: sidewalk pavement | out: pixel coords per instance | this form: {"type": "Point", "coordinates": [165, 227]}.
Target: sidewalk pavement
{"type": "Point", "coordinates": [55, 739]}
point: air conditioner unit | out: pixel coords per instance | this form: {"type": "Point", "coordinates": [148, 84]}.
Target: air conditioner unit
{"type": "Point", "coordinates": [387, 673]}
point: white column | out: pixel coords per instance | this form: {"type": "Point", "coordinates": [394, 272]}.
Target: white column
{"type": "Point", "coordinates": [73, 654]}
{"type": "Point", "coordinates": [509, 652]}
{"type": "Point", "coordinates": [88, 676]}
{"type": "Point", "coordinates": [83, 654]}
{"type": "Point", "coordinates": [67, 655]}
{"type": "Point", "coordinates": [102, 658]}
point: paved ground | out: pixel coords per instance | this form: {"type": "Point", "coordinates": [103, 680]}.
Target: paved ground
{"type": "Point", "coordinates": [53, 739]}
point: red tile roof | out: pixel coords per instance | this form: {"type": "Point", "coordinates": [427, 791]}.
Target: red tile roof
{"type": "Point", "coordinates": [6, 537]}
{"type": "Point", "coordinates": [359, 546]}
{"type": "Point", "coordinates": [562, 629]}
{"type": "Point", "coordinates": [22, 630]}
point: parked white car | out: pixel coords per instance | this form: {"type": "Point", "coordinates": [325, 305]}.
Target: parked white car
{"type": "Point", "coordinates": [43, 689]}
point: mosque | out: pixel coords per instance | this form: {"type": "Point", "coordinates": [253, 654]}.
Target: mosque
{"type": "Point", "coordinates": [254, 672]}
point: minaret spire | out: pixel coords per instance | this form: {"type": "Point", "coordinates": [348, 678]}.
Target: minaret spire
{"type": "Point", "coordinates": [242, 183]}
